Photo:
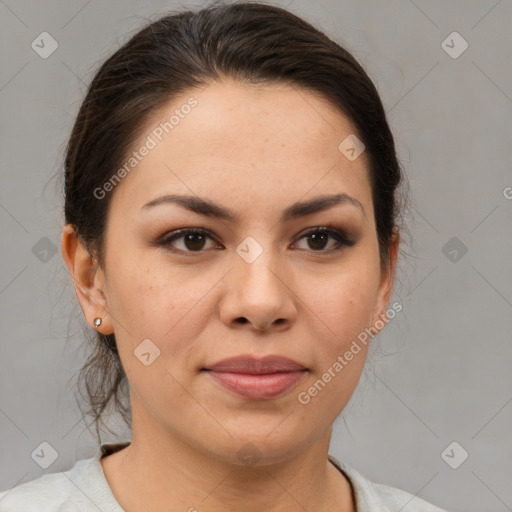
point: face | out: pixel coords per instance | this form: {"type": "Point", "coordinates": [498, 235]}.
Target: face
{"type": "Point", "coordinates": [185, 290]}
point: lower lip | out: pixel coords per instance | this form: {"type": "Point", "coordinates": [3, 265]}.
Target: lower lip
{"type": "Point", "coordinates": [257, 386]}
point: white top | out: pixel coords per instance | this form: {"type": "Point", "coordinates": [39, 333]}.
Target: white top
{"type": "Point", "coordinates": [84, 488]}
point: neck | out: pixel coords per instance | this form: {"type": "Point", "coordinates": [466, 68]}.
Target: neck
{"type": "Point", "coordinates": [161, 473]}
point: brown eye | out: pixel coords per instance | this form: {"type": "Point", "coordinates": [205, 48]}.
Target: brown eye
{"type": "Point", "coordinates": [193, 240]}
{"type": "Point", "coordinates": [318, 239]}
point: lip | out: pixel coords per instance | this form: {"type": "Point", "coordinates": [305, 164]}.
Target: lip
{"type": "Point", "coordinates": [256, 365]}
{"type": "Point", "coordinates": [257, 378]}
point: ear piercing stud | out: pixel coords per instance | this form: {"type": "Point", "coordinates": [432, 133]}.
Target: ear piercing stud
{"type": "Point", "coordinates": [97, 322]}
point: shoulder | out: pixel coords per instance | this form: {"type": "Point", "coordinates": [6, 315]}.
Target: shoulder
{"type": "Point", "coordinates": [403, 501]}
{"type": "Point", "coordinates": [370, 496]}
{"type": "Point", "coordinates": [54, 492]}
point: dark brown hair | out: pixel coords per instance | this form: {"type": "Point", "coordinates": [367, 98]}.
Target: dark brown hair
{"type": "Point", "coordinates": [248, 42]}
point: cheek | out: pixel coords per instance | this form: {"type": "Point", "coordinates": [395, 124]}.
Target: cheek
{"type": "Point", "coordinates": [345, 310]}
{"type": "Point", "coordinates": [344, 306]}
{"type": "Point", "coordinates": [167, 307]}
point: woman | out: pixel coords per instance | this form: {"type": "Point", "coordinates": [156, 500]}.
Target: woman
{"type": "Point", "coordinates": [231, 208]}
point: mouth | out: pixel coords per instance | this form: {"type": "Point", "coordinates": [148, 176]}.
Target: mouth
{"type": "Point", "coordinates": [256, 378]}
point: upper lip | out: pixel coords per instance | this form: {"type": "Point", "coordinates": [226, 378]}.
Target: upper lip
{"type": "Point", "coordinates": [256, 365]}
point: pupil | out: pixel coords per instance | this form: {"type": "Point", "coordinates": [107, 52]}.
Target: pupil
{"type": "Point", "coordinates": [318, 237]}
{"type": "Point", "coordinates": [190, 238]}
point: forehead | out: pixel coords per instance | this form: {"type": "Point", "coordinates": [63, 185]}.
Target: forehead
{"type": "Point", "coordinates": [245, 141]}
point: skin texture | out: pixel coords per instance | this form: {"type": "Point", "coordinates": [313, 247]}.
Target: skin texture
{"type": "Point", "coordinates": [256, 150]}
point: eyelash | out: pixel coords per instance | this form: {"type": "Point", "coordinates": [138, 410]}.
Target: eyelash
{"type": "Point", "coordinates": [338, 235]}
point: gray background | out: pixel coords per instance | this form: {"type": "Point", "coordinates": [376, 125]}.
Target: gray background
{"type": "Point", "coordinates": [447, 377]}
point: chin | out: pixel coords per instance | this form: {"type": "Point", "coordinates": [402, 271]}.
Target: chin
{"type": "Point", "coordinates": [262, 447]}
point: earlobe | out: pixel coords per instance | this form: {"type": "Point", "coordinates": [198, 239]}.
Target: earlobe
{"type": "Point", "coordinates": [87, 282]}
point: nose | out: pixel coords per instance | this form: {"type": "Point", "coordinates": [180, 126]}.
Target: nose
{"type": "Point", "coordinates": [259, 295]}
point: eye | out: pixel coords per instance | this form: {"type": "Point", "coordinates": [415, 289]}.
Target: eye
{"type": "Point", "coordinates": [193, 240]}
{"type": "Point", "coordinates": [318, 237]}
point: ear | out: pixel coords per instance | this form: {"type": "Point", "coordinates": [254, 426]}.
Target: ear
{"type": "Point", "coordinates": [386, 282]}
{"type": "Point", "coordinates": [88, 280]}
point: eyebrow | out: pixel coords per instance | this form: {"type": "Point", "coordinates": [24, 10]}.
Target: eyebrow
{"type": "Point", "coordinates": [211, 209]}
